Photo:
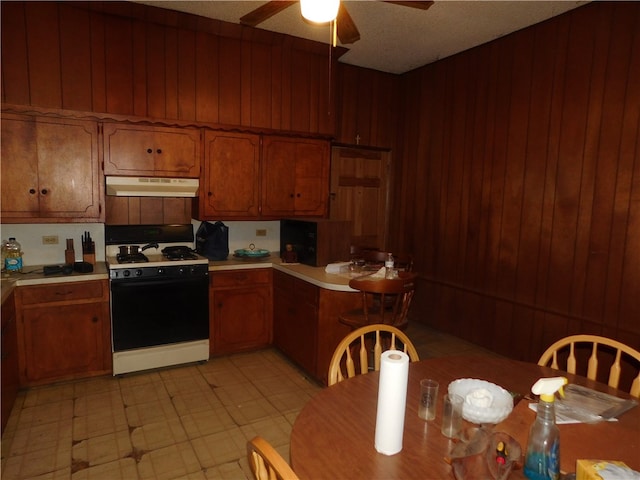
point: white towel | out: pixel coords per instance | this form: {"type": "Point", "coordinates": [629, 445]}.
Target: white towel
{"type": "Point", "coordinates": [337, 267]}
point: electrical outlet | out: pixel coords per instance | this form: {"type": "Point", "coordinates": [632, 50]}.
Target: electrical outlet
{"type": "Point", "coordinates": [50, 239]}
{"type": "Point", "coordinates": [261, 232]}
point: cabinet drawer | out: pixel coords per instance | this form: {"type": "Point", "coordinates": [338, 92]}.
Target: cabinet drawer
{"type": "Point", "coordinates": [62, 292]}
{"type": "Point", "coordinates": [240, 278]}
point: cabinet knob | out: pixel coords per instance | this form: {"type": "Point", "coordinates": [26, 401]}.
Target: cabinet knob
{"type": "Point", "coordinates": [291, 195]}
{"type": "Point", "coordinates": [44, 191]}
{"type": "Point", "coordinates": [94, 319]}
{"type": "Point", "coordinates": [32, 191]}
{"type": "Point", "coordinates": [159, 151]}
{"type": "Point", "coordinates": [149, 150]}
{"type": "Point", "coordinates": [209, 194]}
{"type": "Point", "coordinates": [298, 195]}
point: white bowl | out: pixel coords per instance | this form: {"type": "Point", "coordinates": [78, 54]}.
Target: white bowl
{"type": "Point", "coordinates": [484, 402]}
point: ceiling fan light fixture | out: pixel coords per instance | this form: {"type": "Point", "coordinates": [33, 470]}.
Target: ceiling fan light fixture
{"type": "Point", "coordinates": [319, 11]}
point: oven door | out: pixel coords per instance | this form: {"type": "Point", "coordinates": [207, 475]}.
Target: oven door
{"type": "Point", "coordinates": [150, 312]}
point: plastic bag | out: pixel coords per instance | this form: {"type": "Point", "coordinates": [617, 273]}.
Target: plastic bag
{"type": "Point", "coordinates": [212, 240]}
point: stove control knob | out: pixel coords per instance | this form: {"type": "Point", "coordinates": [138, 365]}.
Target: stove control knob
{"type": "Point", "coordinates": [138, 273]}
{"type": "Point", "coordinates": [181, 271]}
{"type": "Point", "coordinates": [126, 273]}
{"type": "Point", "coordinates": [161, 271]}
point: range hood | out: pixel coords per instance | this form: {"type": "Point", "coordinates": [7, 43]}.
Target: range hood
{"type": "Point", "coordinates": [152, 187]}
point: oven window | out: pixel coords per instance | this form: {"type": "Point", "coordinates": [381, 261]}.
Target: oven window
{"type": "Point", "coordinates": [147, 313]}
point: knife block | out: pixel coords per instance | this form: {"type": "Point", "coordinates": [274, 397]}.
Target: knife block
{"type": "Point", "coordinates": [89, 253]}
{"type": "Point", "coordinates": [89, 258]}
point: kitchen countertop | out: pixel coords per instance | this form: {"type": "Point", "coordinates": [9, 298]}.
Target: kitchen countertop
{"type": "Point", "coordinates": [315, 275]}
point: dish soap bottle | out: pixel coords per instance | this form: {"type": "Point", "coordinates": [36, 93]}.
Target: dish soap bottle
{"type": "Point", "coordinates": [542, 461]}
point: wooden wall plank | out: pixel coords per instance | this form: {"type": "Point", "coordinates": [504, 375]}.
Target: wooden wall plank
{"type": "Point", "coordinates": [15, 66]}
{"type": "Point", "coordinates": [139, 66]}
{"type": "Point", "coordinates": [118, 65]}
{"type": "Point", "coordinates": [75, 55]}
{"type": "Point", "coordinates": [156, 71]}
{"type": "Point", "coordinates": [43, 43]}
{"type": "Point", "coordinates": [186, 74]}
{"type": "Point", "coordinates": [230, 54]}
{"type": "Point", "coordinates": [206, 78]}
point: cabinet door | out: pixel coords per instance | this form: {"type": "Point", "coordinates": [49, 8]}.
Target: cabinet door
{"type": "Point", "coordinates": [64, 341]}
{"type": "Point", "coordinates": [20, 192]}
{"type": "Point", "coordinates": [231, 186]}
{"type": "Point", "coordinates": [295, 317]}
{"type": "Point", "coordinates": [295, 180]}
{"type": "Point", "coordinates": [159, 151]}
{"type": "Point", "coordinates": [50, 169]}
{"type": "Point", "coordinates": [241, 319]}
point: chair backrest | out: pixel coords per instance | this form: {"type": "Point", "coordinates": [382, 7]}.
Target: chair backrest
{"type": "Point", "coordinates": [385, 300]}
{"type": "Point", "coordinates": [402, 261]}
{"type": "Point", "coordinates": [266, 463]}
{"type": "Point", "coordinates": [361, 341]}
{"type": "Point", "coordinates": [551, 354]}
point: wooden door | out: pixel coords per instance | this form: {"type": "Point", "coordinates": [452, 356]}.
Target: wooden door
{"type": "Point", "coordinates": [231, 185]}
{"type": "Point", "coordinates": [359, 192]}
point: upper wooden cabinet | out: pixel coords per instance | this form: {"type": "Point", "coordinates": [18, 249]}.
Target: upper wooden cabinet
{"type": "Point", "coordinates": [151, 151]}
{"type": "Point", "coordinates": [248, 176]}
{"type": "Point", "coordinates": [295, 177]}
{"type": "Point", "coordinates": [50, 170]}
{"type": "Point", "coordinates": [231, 180]}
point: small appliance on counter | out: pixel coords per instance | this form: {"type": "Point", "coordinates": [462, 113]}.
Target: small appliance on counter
{"type": "Point", "coordinates": [316, 242]}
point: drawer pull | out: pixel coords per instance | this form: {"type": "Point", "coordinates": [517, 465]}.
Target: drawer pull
{"type": "Point", "coordinates": [94, 319]}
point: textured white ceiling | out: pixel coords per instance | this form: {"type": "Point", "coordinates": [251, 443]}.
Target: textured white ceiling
{"type": "Point", "coordinates": [394, 38]}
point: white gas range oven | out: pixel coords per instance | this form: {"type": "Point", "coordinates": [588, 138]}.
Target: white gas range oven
{"type": "Point", "coordinates": [159, 296]}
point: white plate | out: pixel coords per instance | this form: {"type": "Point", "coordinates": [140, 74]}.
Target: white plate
{"type": "Point", "coordinates": [485, 402]}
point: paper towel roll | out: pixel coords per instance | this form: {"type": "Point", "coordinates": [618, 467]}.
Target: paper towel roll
{"type": "Point", "coordinates": [392, 400]}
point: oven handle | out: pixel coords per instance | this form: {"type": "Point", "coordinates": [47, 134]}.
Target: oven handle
{"type": "Point", "coordinates": [143, 282]}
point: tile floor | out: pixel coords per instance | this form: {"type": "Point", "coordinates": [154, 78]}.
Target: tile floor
{"type": "Point", "coordinates": [189, 422]}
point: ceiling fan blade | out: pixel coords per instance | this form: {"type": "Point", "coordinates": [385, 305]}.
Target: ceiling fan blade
{"type": "Point", "coordinates": [419, 5]}
{"type": "Point", "coordinates": [264, 12]}
{"type": "Point", "coordinates": [347, 30]}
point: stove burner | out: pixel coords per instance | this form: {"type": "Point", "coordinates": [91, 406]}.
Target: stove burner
{"type": "Point", "coordinates": [131, 258]}
{"type": "Point", "coordinates": [179, 253]}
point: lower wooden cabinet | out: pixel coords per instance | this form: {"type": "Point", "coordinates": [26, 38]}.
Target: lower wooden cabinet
{"type": "Point", "coordinates": [63, 331]}
{"type": "Point", "coordinates": [305, 322]}
{"type": "Point", "coordinates": [240, 310]}
{"type": "Point", "coordinates": [9, 352]}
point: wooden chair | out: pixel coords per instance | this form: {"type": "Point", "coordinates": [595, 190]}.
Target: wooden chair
{"type": "Point", "coordinates": [266, 463]}
{"type": "Point", "coordinates": [551, 354]}
{"type": "Point", "coordinates": [384, 300]}
{"type": "Point", "coordinates": [358, 342]}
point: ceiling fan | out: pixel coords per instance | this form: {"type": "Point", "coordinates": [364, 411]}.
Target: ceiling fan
{"type": "Point", "coordinates": [347, 30]}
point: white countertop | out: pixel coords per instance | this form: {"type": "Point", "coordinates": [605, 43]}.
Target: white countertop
{"type": "Point", "coordinates": [33, 275]}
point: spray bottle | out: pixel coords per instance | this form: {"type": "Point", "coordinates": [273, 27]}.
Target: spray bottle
{"type": "Point", "coordinates": [542, 461]}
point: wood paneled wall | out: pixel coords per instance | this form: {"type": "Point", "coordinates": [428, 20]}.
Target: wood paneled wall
{"type": "Point", "coordinates": [129, 59]}
{"type": "Point", "coordinates": [367, 106]}
{"type": "Point", "coordinates": [518, 184]}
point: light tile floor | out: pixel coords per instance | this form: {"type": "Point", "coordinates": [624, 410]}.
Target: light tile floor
{"type": "Point", "coordinates": [187, 422]}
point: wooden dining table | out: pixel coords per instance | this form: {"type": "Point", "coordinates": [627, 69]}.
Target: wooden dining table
{"type": "Point", "coordinates": [333, 436]}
